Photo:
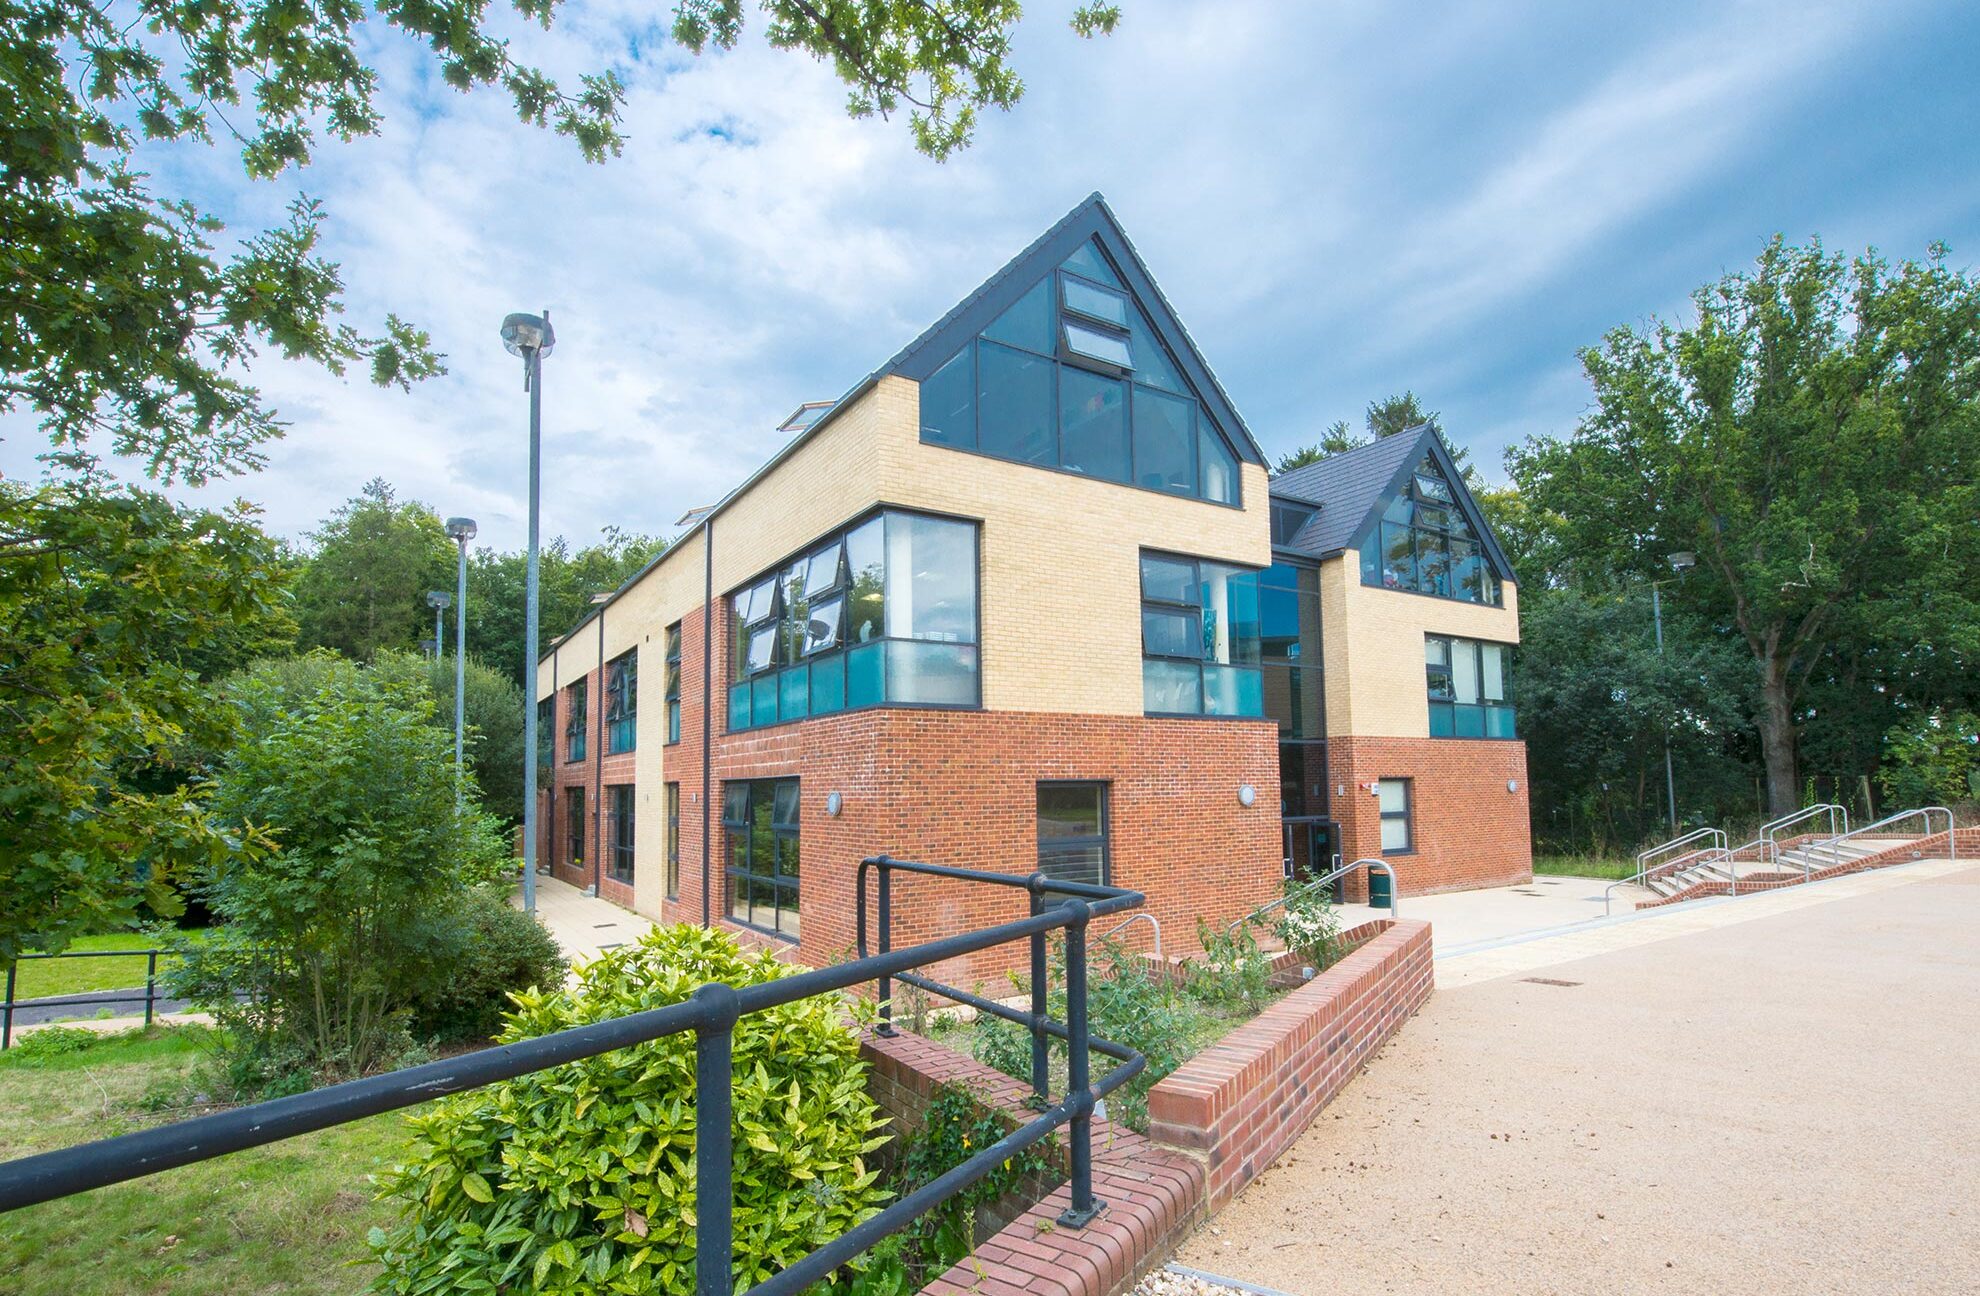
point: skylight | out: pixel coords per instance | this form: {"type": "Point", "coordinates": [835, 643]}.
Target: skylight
{"type": "Point", "coordinates": [1096, 344]}
{"type": "Point", "coordinates": [807, 414]}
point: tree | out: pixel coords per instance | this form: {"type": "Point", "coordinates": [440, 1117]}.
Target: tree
{"type": "Point", "coordinates": [127, 324]}
{"type": "Point", "coordinates": [567, 580]}
{"type": "Point", "coordinates": [111, 600]}
{"type": "Point", "coordinates": [1384, 418]}
{"type": "Point", "coordinates": [1813, 435]}
{"type": "Point", "coordinates": [364, 588]}
{"type": "Point", "coordinates": [494, 729]}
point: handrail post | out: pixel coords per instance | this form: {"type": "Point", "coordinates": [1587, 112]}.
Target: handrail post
{"type": "Point", "coordinates": [150, 984]}
{"type": "Point", "coordinates": [1041, 1057]}
{"type": "Point", "coordinates": [1078, 1086]}
{"type": "Point", "coordinates": [886, 990]}
{"type": "Point", "coordinates": [714, 1141]}
{"type": "Point", "coordinates": [7, 1010]}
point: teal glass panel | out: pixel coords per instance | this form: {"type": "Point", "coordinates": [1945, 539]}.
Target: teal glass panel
{"type": "Point", "coordinates": [1171, 688]}
{"type": "Point", "coordinates": [1443, 720]}
{"type": "Point", "coordinates": [866, 676]}
{"type": "Point", "coordinates": [763, 700]}
{"type": "Point", "coordinates": [1217, 467]}
{"type": "Point", "coordinates": [828, 684]}
{"type": "Point", "coordinates": [1499, 722]}
{"type": "Point", "coordinates": [794, 692]}
{"type": "Point", "coordinates": [1093, 431]}
{"type": "Point", "coordinates": [948, 402]}
{"type": "Point", "coordinates": [739, 706]}
{"type": "Point", "coordinates": [1233, 691]}
{"type": "Point", "coordinates": [1088, 261]}
{"type": "Point", "coordinates": [1164, 442]}
{"type": "Point", "coordinates": [1028, 324]}
{"type": "Point", "coordinates": [1470, 722]}
{"type": "Point", "coordinates": [942, 674]}
{"type": "Point", "coordinates": [1014, 400]}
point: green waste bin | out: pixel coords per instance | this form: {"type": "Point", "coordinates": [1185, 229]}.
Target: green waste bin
{"type": "Point", "coordinates": [1381, 890]}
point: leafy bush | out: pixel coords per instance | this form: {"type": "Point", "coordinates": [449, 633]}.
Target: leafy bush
{"type": "Point", "coordinates": [491, 950]}
{"type": "Point", "coordinates": [1933, 760]}
{"type": "Point", "coordinates": [337, 913]}
{"type": "Point", "coordinates": [1308, 923]}
{"type": "Point", "coordinates": [1233, 970]}
{"type": "Point", "coordinates": [50, 1041]}
{"type": "Point", "coordinates": [580, 1179]}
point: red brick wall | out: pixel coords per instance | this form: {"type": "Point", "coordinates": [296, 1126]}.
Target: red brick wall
{"type": "Point", "coordinates": [1242, 1101]}
{"type": "Point", "coordinates": [1467, 830]}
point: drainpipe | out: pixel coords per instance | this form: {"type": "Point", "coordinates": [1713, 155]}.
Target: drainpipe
{"type": "Point", "coordinates": [598, 768]}
{"type": "Point", "coordinates": [556, 691]}
{"type": "Point", "coordinates": [707, 712]}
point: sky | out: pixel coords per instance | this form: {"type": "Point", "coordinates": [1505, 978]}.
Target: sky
{"type": "Point", "coordinates": [1341, 200]}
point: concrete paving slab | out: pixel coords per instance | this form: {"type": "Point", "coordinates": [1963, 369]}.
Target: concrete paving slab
{"type": "Point", "coordinates": [583, 925]}
{"type": "Point", "coordinates": [1463, 918]}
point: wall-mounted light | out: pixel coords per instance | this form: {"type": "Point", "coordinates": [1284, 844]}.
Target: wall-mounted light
{"type": "Point", "coordinates": [834, 803]}
{"type": "Point", "coordinates": [1247, 795]}
{"type": "Point", "coordinates": [1340, 789]}
{"type": "Point", "coordinates": [1512, 785]}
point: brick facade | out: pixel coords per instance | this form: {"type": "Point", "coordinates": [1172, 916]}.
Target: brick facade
{"type": "Point", "coordinates": [1468, 810]}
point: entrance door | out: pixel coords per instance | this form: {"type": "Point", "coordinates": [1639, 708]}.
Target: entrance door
{"type": "Point", "coordinates": [1312, 847]}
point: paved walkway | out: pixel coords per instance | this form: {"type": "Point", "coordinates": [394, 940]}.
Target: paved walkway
{"type": "Point", "coordinates": [583, 925]}
{"type": "Point", "coordinates": [1774, 1093]}
{"type": "Point", "coordinates": [1462, 919]}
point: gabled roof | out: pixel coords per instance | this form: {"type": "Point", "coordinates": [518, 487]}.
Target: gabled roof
{"type": "Point", "coordinates": [1091, 220]}
{"type": "Point", "coordinates": [1353, 487]}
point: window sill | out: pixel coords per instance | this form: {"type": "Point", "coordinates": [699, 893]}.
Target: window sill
{"type": "Point", "coordinates": [859, 710]}
{"type": "Point", "coordinates": [1500, 606]}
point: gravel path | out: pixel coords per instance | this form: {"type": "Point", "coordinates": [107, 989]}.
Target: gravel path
{"type": "Point", "coordinates": [1790, 1105]}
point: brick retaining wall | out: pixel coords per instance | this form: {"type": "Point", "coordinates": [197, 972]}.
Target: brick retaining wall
{"type": "Point", "coordinates": [1241, 1102]}
{"type": "Point", "coordinates": [1965, 843]}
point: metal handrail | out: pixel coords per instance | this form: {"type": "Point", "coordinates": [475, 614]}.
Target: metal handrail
{"type": "Point", "coordinates": [1143, 916]}
{"type": "Point", "coordinates": [1770, 831]}
{"type": "Point", "coordinates": [711, 1013]}
{"type": "Point", "coordinates": [1643, 857]}
{"type": "Point", "coordinates": [86, 998]}
{"type": "Point", "coordinates": [1395, 891]}
{"type": "Point", "coordinates": [1729, 856]}
{"type": "Point", "coordinates": [1923, 812]}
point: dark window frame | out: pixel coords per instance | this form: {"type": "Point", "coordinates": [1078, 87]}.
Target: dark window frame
{"type": "Point", "coordinates": [1456, 528]}
{"type": "Point", "coordinates": [1071, 845]}
{"type": "Point", "coordinates": [673, 684]}
{"type": "Point", "coordinates": [1198, 659]}
{"type": "Point", "coordinates": [546, 733]}
{"type": "Point", "coordinates": [577, 720]}
{"type": "Point", "coordinates": [574, 816]}
{"type": "Point", "coordinates": [837, 656]}
{"type": "Point", "coordinates": [1484, 707]}
{"type": "Point", "coordinates": [1406, 815]}
{"type": "Point", "coordinates": [780, 831]}
{"type": "Point", "coordinates": [670, 876]}
{"type": "Point", "coordinates": [622, 703]}
{"type": "Point", "coordinates": [619, 856]}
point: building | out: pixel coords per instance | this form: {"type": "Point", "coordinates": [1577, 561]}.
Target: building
{"type": "Point", "coordinates": [1023, 598]}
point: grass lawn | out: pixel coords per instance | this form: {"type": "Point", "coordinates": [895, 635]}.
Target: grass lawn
{"type": "Point", "coordinates": [38, 978]}
{"type": "Point", "coordinates": [1584, 866]}
{"type": "Point", "coordinates": [287, 1218]}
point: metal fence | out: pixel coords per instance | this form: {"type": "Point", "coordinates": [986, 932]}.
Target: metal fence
{"type": "Point", "coordinates": [711, 1013]}
{"type": "Point", "coordinates": [85, 999]}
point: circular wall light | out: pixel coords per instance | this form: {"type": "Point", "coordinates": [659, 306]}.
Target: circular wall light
{"type": "Point", "coordinates": [1247, 795]}
{"type": "Point", "coordinates": [1512, 785]}
{"type": "Point", "coordinates": [834, 803]}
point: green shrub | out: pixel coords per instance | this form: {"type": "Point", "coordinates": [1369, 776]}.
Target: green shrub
{"type": "Point", "coordinates": [1932, 760]}
{"type": "Point", "coordinates": [1233, 971]}
{"type": "Point", "coordinates": [580, 1179]}
{"type": "Point", "coordinates": [1307, 922]}
{"type": "Point", "coordinates": [488, 950]}
{"type": "Point", "coordinates": [48, 1042]}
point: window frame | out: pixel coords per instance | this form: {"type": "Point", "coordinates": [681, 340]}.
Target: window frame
{"type": "Point", "coordinates": [1167, 606]}
{"type": "Point", "coordinates": [1484, 706]}
{"type": "Point", "coordinates": [1068, 845]}
{"type": "Point", "coordinates": [838, 657]}
{"type": "Point", "coordinates": [577, 720]}
{"type": "Point", "coordinates": [1406, 815]}
{"type": "Point", "coordinates": [622, 703]}
{"type": "Point", "coordinates": [574, 815]}
{"type": "Point", "coordinates": [619, 856]}
{"type": "Point", "coordinates": [670, 873]}
{"type": "Point", "coordinates": [775, 878]}
{"type": "Point", "coordinates": [672, 684]}
{"type": "Point", "coordinates": [1457, 530]}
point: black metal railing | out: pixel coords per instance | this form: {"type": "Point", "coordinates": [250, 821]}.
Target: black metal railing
{"type": "Point", "coordinates": [711, 1012]}
{"type": "Point", "coordinates": [84, 998]}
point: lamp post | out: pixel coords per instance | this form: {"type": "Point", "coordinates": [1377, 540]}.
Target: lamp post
{"type": "Point", "coordinates": [462, 530]}
{"type": "Point", "coordinates": [439, 601]}
{"type": "Point", "coordinates": [1681, 562]}
{"type": "Point", "coordinates": [531, 337]}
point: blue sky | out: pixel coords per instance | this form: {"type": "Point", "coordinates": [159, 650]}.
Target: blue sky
{"type": "Point", "coordinates": [1341, 200]}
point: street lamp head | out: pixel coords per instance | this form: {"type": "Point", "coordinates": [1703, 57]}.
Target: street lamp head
{"type": "Point", "coordinates": [461, 529]}
{"type": "Point", "coordinates": [1683, 560]}
{"type": "Point", "coordinates": [439, 599]}
{"type": "Point", "coordinates": [523, 333]}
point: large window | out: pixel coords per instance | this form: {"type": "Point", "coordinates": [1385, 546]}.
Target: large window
{"type": "Point", "coordinates": [674, 682]}
{"type": "Point", "coordinates": [671, 873]}
{"type": "Point", "coordinates": [1072, 832]}
{"type": "Point", "coordinates": [761, 818]}
{"type": "Point", "coordinates": [1423, 543]}
{"type": "Point", "coordinates": [1470, 686]}
{"type": "Point", "coordinates": [1392, 797]}
{"type": "Point", "coordinates": [574, 827]}
{"type": "Point", "coordinates": [574, 722]}
{"type": "Point", "coordinates": [1290, 649]}
{"type": "Point", "coordinates": [1073, 376]}
{"type": "Point", "coordinates": [1199, 638]}
{"type": "Point", "coordinates": [619, 833]}
{"type": "Point", "coordinates": [882, 614]}
{"type": "Point", "coordinates": [622, 702]}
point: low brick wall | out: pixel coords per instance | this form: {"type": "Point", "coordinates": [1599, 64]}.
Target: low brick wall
{"type": "Point", "coordinates": [1241, 1102]}
{"type": "Point", "coordinates": [1963, 842]}
{"type": "Point", "coordinates": [1153, 1194]}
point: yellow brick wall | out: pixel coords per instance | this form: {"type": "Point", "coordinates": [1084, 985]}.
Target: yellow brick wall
{"type": "Point", "coordinates": [1374, 648]}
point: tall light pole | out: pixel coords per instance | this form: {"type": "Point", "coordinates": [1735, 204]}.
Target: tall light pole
{"type": "Point", "coordinates": [462, 531]}
{"type": "Point", "coordinates": [531, 337]}
{"type": "Point", "coordinates": [439, 600]}
{"type": "Point", "coordinates": [1681, 562]}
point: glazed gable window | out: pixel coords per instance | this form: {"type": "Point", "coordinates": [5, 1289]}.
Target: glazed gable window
{"type": "Point", "coordinates": [1425, 544]}
{"type": "Point", "coordinates": [883, 613]}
